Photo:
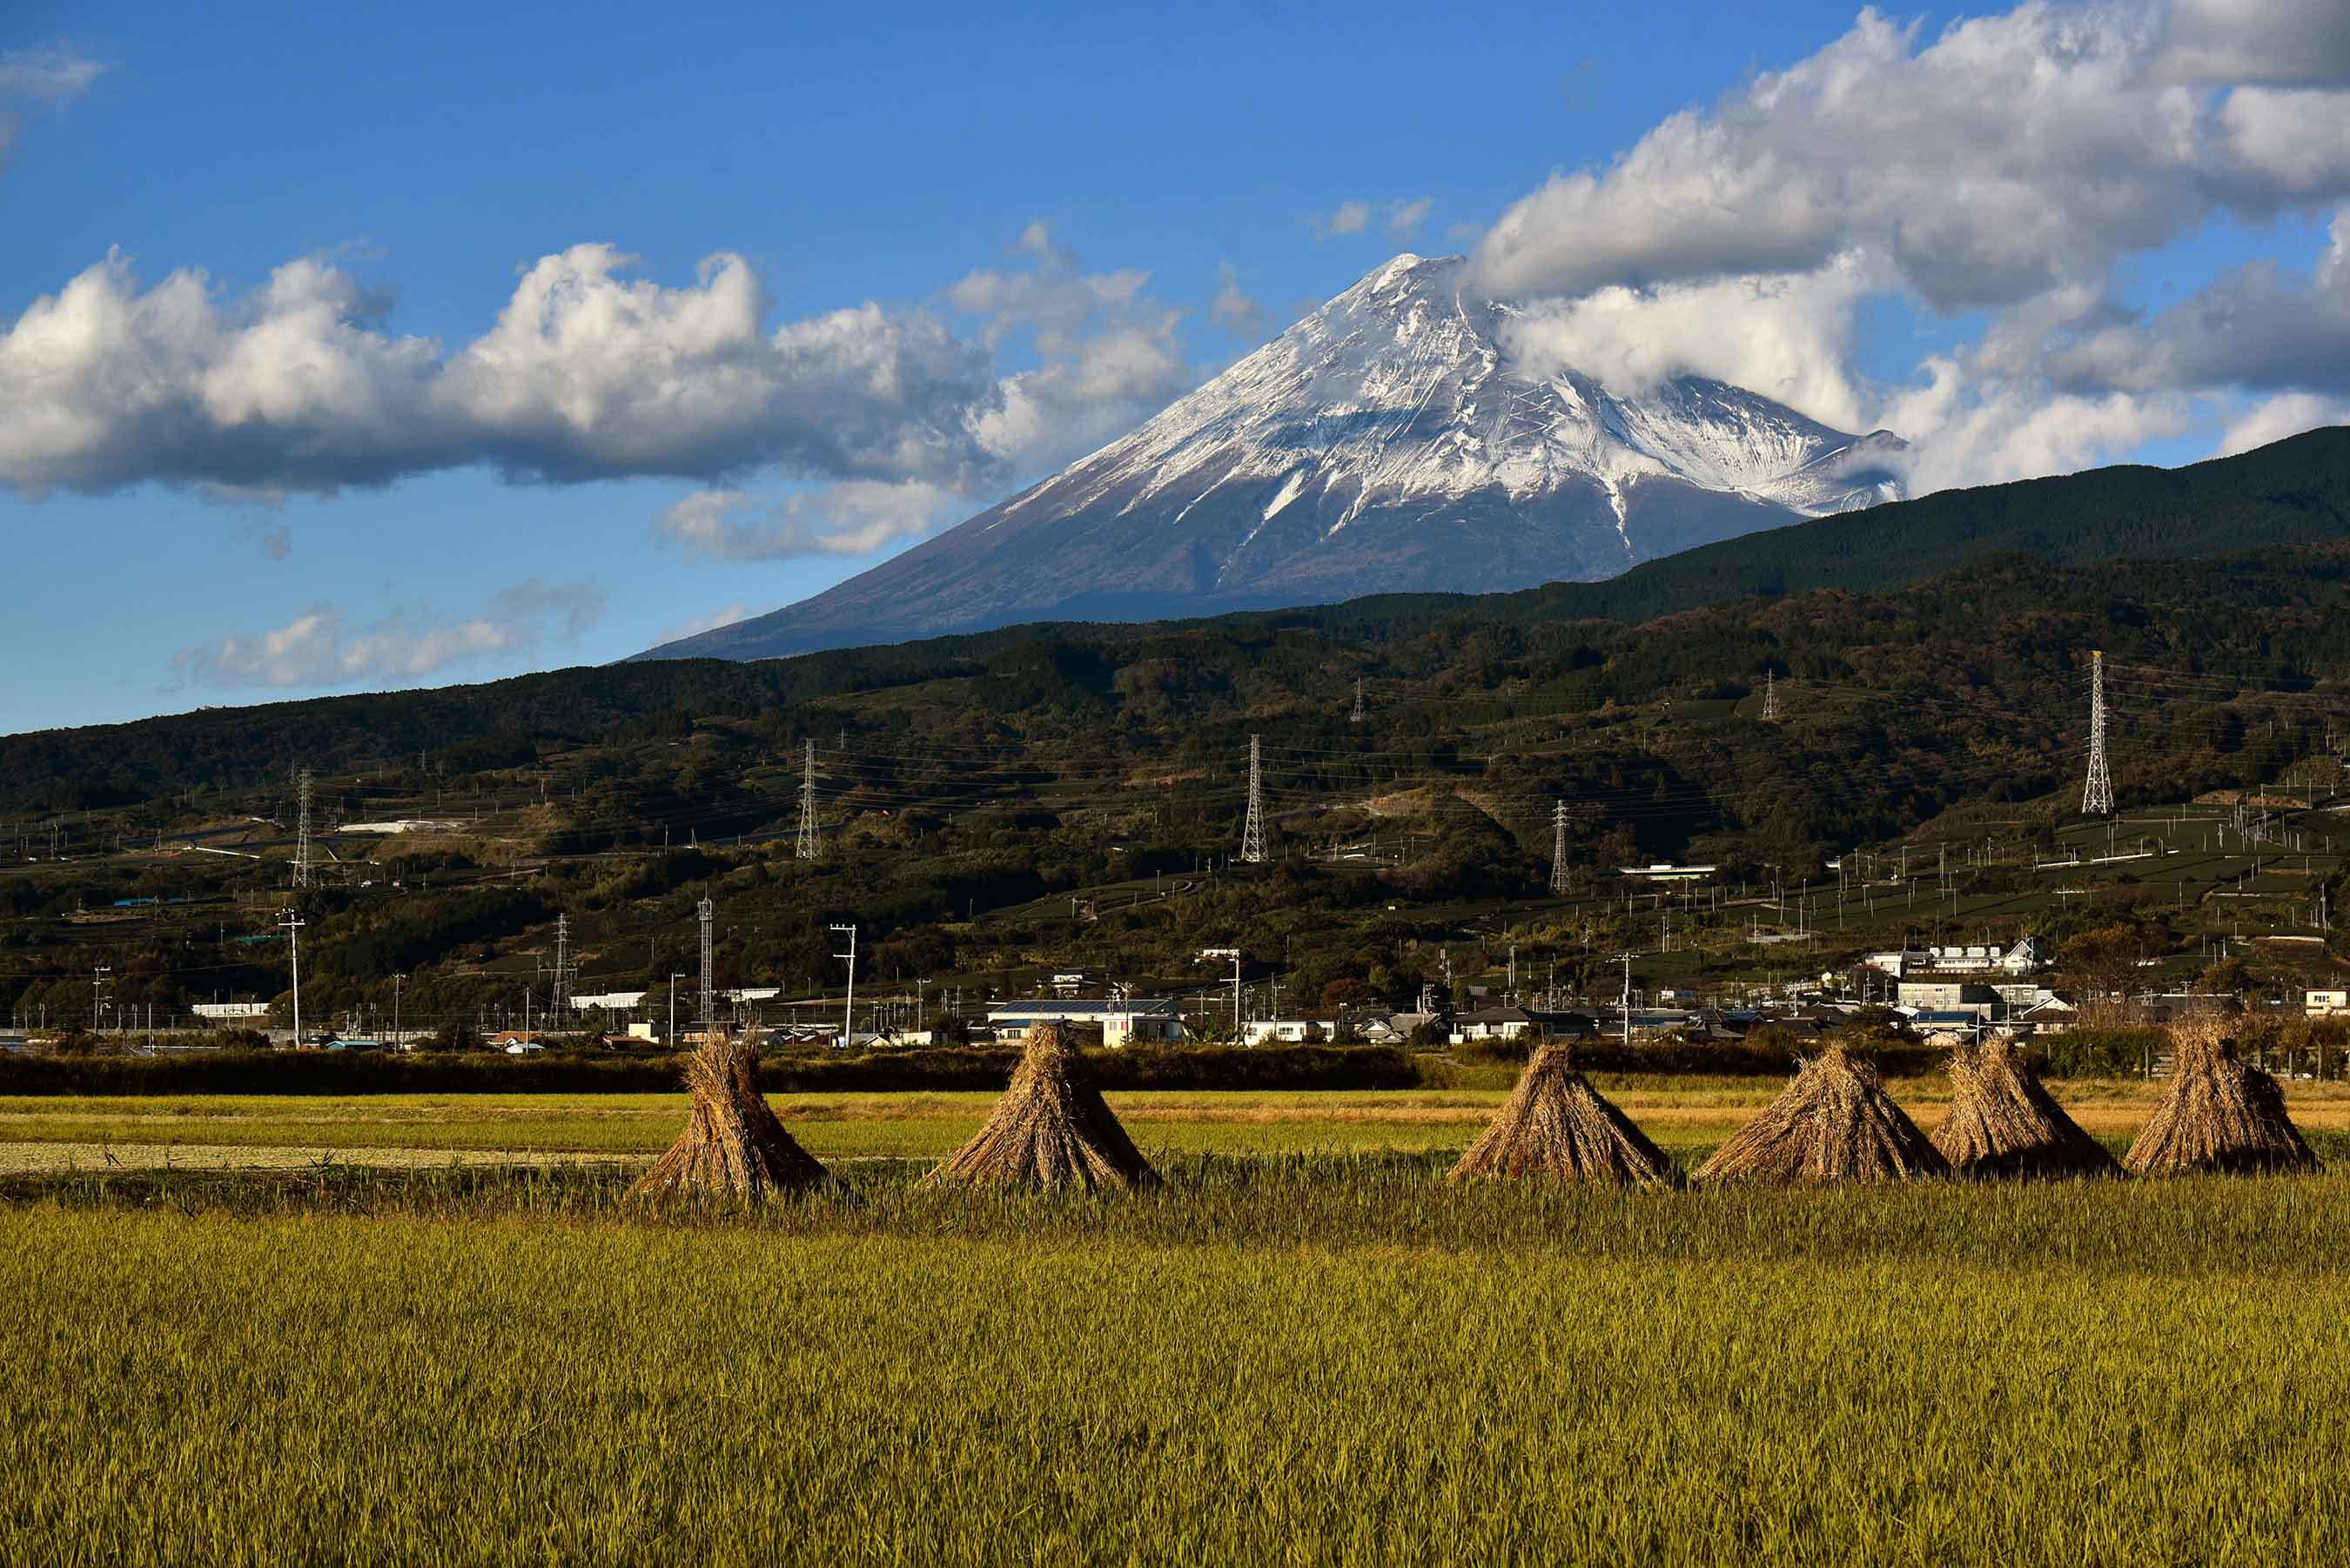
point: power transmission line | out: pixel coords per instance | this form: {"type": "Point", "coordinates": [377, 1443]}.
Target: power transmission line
{"type": "Point", "coordinates": [2097, 793]}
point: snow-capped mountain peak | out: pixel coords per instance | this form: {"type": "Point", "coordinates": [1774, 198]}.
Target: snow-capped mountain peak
{"type": "Point", "coordinates": [1386, 443]}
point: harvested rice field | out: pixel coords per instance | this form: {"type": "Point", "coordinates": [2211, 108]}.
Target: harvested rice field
{"type": "Point", "coordinates": [1307, 1359]}
{"type": "Point", "coordinates": [1301, 1344]}
{"type": "Point", "coordinates": [1686, 1117]}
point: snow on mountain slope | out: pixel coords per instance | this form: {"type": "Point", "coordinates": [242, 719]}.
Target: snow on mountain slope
{"type": "Point", "coordinates": [1381, 445]}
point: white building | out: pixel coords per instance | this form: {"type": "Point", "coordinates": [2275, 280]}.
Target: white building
{"type": "Point", "coordinates": [232, 1011]}
{"type": "Point", "coordinates": [1665, 871]}
{"type": "Point", "coordinates": [1281, 1031]}
{"type": "Point", "coordinates": [2023, 958]}
{"type": "Point", "coordinates": [1121, 1022]}
{"type": "Point", "coordinates": [1939, 995]}
{"type": "Point", "coordinates": [609, 1002]}
{"type": "Point", "coordinates": [2325, 1004]}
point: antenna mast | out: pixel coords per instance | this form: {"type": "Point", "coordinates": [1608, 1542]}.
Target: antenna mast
{"type": "Point", "coordinates": [806, 850]}
{"type": "Point", "coordinates": [2097, 793]}
{"type": "Point", "coordinates": [1252, 832]}
{"type": "Point", "coordinates": [709, 912]}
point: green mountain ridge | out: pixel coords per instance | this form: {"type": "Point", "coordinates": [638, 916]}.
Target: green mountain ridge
{"type": "Point", "coordinates": [2293, 491]}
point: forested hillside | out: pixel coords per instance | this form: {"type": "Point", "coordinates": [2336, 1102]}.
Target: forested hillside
{"type": "Point", "coordinates": [1038, 800]}
{"type": "Point", "coordinates": [2296, 491]}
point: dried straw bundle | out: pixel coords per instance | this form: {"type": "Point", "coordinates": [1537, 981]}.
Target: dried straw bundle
{"type": "Point", "coordinates": [2002, 1123]}
{"type": "Point", "coordinates": [1834, 1122]}
{"type": "Point", "coordinates": [732, 1145]}
{"type": "Point", "coordinates": [2216, 1114]}
{"type": "Point", "coordinates": [1555, 1125]}
{"type": "Point", "coordinates": [1050, 1129]}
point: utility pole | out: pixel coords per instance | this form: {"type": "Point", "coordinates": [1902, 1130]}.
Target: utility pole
{"type": "Point", "coordinates": [1234, 954]}
{"type": "Point", "coordinates": [396, 1040]}
{"type": "Point", "coordinates": [302, 831]}
{"type": "Point", "coordinates": [1252, 831]}
{"type": "Point", "coordinates": [1628, 999]}
{"type": "Point", "coordinates": [291, 925]}
{"type": "Point", "coordinates": [806, 849]}
{"type": "Point", "coordinates": [2097, 793]}
{"type": "Point", "coordinates": [97, 986]}
{"type": "Point", "coordinates": [1558, 849]}
{"type": "Point", "coordinates": [1358, 716]}
{"type": "Point", "coordinates": [848, 1008]}
{"type": "Point", "coordinates": [674, 977]}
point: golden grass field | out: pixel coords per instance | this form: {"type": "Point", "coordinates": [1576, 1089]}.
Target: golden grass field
{"type": "Point", "coordinates": [1686, 1116]}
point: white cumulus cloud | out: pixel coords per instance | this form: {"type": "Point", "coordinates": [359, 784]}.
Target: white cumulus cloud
{"type": "Point", "coordinates": [587, 374]}
{"type": "Point", "coordinates": [855, 517]}
{"type": "Point", "coordinates": [2009, 164]}
{"type": "Point", "coordinates": [2006, 156]}
{"type": "Point", "coordinates": [322, 647]}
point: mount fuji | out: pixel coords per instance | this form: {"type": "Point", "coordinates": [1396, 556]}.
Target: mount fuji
{"type": "Point", "coordinates": [1383, 444]}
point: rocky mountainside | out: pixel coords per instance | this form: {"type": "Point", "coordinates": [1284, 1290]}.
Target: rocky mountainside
{"type": "Point", "coordinates": [1382, 444]}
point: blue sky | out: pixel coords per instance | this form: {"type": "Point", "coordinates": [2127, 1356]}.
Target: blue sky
{"type": "Point", "coordinates": [1076, 212]}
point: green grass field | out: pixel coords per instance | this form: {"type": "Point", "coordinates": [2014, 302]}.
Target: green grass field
{"type": "Point", "coordinates": [1295, 1360]}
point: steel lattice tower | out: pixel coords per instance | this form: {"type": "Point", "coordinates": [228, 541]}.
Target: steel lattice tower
{"type": "Point", "coordinates": [1769, 696]}
{"type": "Point", "coordinates": [806, 850]}
{"type": "Point", "coordinates": [562, 963]}
{"type": "Point", "coordinates": [1358, 716]}
{"type": "Point", "coordinates": [1252, 831]}
{"type": "Point", "coordinates": [1558, 848]}
{"type": "Point", "coordinates": [302, 830]}
{"type": "Point", "coordinates": [709, 912]}
{"type": "Point", "coordinates": [2097, 793]}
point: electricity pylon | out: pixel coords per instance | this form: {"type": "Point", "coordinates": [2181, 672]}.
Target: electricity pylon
{"type": "Point", "coordinates": [562, 965]}
{"type": "Point", "coordinates": [806, 850]}
{"type": "Point", "coordinates": [1358, 716]}
{"type": "Point", "coordinates": [302, 831]}
{"type": "Point", "coordinates": [1770, 697]}
{"type": "Point", "coordinates": [1558, 848]}
{"type": "Point", "coordinates": [2097, 793]}
{"type": "Point", "coordinates": [1252, 831]}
